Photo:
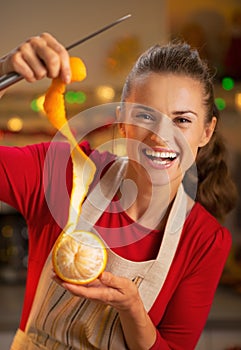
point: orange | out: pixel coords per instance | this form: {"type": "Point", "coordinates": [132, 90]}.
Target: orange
{"type": "Point", "coordinates": [79, 257]}
{"type": "Point", "coordinates": [78, 69]}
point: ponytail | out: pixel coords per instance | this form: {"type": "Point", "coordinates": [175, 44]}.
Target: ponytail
{"type": "Point", "coordinates": [216, 190]}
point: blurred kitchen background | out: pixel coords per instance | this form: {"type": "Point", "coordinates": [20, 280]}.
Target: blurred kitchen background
{"type": "Point", "coordinates": [214, 27]}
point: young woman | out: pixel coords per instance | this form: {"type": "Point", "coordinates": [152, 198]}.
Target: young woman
{"type": "Point", "coordinates": [141, 301]}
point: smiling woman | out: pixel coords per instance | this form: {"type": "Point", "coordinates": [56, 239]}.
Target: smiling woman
{"type": "Point", "coordinates": [169, 131]}
{"type": "Point", "coordinates": [166, 252]}
{"type": "Point", "coordinates": [175, 81]}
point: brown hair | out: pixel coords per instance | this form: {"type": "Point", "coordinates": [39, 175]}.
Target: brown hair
{"type": "Point", "coordinates": [215, 190]}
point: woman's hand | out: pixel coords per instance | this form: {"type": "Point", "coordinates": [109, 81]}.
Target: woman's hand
{"type": "Point", "coordinates": [122, 294]}
{"type": "Point", "coordinates": [38, 57]}
{"type": "Point", "coordinates": [118, 292]}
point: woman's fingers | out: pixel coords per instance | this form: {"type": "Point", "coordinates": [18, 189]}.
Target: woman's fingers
{"type": "Point", "coordinates": [116, 291]}
{"type": "Point", "coordinates": [95, 290]}
{"type": "Point", "coordinates": [58, 59]}
{"type": "Point", "coordinates": [26, 62]}
{"type": "Point", "coordinates": [38, 57]}
{"type": "Point", "coordinates": [116, 282]}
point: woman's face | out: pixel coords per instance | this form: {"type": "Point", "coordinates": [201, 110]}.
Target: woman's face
{"type": "Point", "coordinates": [164, 123]}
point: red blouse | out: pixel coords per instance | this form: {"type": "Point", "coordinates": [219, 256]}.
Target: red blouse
{"type": "Point", "coordinates": [37, 181]}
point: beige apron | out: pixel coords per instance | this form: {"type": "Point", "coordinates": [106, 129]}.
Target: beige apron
{"type": "Point", "coordinates": [59, 320]}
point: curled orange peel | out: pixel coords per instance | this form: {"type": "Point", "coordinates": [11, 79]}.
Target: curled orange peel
{"type": "Point", "coordinates": [54, 99]}
{"type": "Point", "coordinates": [83, 174]}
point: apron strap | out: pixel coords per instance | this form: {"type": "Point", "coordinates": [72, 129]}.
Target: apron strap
{"type": "Point", "coordinates": [100, 197]}
{"type": "Point", "coordinates": [158, 271]}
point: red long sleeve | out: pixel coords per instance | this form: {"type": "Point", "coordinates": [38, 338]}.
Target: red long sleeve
{"type": "Point", "coordinates": [37, 180]}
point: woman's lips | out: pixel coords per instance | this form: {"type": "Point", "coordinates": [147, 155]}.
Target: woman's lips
{"type": "Point", "coordinates": [160, 158]}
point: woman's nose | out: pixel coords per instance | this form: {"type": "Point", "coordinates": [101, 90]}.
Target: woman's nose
{"type": "Point", "coordinates": [163, 131]}
{"type": "Point", "coordinates": [158, 139]}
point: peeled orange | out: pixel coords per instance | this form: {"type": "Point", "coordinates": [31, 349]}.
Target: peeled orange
{"type": "Point", "coordinates": [79, 257]}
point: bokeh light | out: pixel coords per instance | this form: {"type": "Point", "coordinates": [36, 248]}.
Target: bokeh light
{"type": "Point", "coordinates": [105, 93]}
{"type": "Point", "coordinates": [227, 83]}
{"type": "Point", "coordinates": [238, 101]}
{"type": "Point", "coordinates": [37, 104]}
{"type": "Point", "coordinates": [75, 97]}
{"type": "Point", "coordinates": [15, 124]}
{"type": "Point", "coordinates": [220, 103]}
{"type": "Point", "coordinates": [7, 231]}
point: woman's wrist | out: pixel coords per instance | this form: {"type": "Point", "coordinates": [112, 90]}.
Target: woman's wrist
{"type": "Point", "coordinates": [135, 311]}
{"type": "Point", "coordinates": [139, 331]}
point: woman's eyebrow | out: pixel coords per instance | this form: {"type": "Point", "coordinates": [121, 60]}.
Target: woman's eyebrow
{"type": "Point", "coordinates": [150, 109]}
{"type": "Point", "coordinates": [146, 108]}
{"type": "Point", "coordinates": [185, 112]}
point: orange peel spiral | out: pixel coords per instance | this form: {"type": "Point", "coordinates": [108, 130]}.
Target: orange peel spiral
{"type": "Point", "coordinates": [78, 256]}
{"type": "Point", "coordinates": [54, 99]}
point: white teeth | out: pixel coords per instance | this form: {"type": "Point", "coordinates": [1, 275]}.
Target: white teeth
{"type": "Point", "coordinates": [166, 154]}
{"type": "Point", "coordinates": [162, 162]}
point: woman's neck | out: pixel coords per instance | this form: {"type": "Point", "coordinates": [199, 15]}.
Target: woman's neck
{"type": "Point", "coordinates": [145, 203]}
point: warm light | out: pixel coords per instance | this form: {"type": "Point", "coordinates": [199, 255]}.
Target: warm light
{"type": "Point", "coordinates": [7, 231]}
{"type": "Point", "coordinates": [37, 105]}
{"type": "Point", "coordinates": [15, 124]}
{"type": "Point", "coordinates": [105, 93]}
{"type": "Point", "coordinates": [238, 100]}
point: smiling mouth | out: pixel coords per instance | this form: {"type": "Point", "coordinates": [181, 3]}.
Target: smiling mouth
{"type": "Point", "coordinates": [160, 157]}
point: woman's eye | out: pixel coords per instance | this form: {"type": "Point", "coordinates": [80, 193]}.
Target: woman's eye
{"type": "Point", "coordinates": [182, 121]}
{"type": "Point", "coordinates": [145, 116]}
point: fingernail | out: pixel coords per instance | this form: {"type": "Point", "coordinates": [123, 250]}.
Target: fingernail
{"type": "Point", "coordinates": [68, 79]}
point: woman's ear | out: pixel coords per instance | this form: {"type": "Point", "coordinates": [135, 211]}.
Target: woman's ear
{"type": "Point", "coordinates": [208, 132]}
{"type": "Point", "coordinates": [121, 126]}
